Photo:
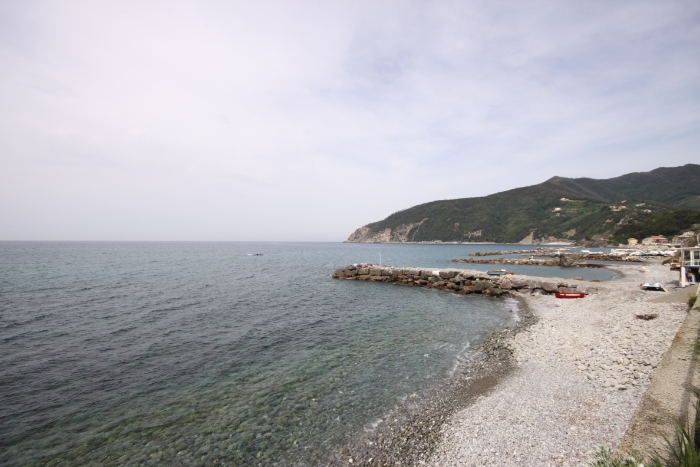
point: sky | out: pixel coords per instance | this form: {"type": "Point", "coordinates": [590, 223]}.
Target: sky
{"type": "Point", "coordinates": [304, 120]}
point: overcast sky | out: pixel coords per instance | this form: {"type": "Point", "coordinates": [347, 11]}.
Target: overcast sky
{"type": "Point", "coordinates": [294, 120]}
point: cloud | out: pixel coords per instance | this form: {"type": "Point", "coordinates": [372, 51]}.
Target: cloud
{"type": "Point", "coordinates": [303, 121]}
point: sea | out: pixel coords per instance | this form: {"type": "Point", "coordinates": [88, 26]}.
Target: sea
{"type": "Point", "coordinates": [230, 353]}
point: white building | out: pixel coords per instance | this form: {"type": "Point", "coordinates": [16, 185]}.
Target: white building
{"type": "Point", "coordinates": [690, 266]}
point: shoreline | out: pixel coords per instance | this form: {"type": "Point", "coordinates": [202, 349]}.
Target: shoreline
{"type": "Point", "coordinates": [564, 381]}
{"type": "Point", "coordinates": [580, 375]}
{"type": "Point", "coordinates": [409, 434]}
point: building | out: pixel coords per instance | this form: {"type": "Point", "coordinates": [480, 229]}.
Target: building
{"type": "Point", "coordinates": [690, 266]}
{"type": "Point", "coordinates": [632, 241]}
{"type": "Point", "coordinates": [655, 240]}
{"type": "Point", "coordinates": [684, 239]}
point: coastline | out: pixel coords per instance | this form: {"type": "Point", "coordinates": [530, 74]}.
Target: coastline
{"type": "Point", "coordinates": [565, 380]}
{"type": "Point", "coordinates": [580, 374]}
{"type": "Point", "coordinates": [410, 433]}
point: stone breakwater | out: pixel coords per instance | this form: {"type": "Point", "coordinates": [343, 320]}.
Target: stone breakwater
{"type": "Point", "coordinates": [546, 253]}
{"type": "Point", "coordinates": [457, 280]}
{"type": "Point", "coordinates": [508, 252]}
{"type": "Point", "coordinates": [527, 261]}
{"type": "Point", "coordinates": [596, 257]}
{"type": "Point", "coordinates": [566, 260]}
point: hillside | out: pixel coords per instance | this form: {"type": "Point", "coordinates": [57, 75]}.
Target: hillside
{"type": "Point", "coordinates": [537, 214]}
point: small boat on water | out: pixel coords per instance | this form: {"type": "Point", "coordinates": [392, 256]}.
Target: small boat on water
{"type": "Point", "coordinates": [569, 295]}
{"type": "Point", "coordinates": [653, 286]}
{"type": "Point", "coordinates": [499, 272]}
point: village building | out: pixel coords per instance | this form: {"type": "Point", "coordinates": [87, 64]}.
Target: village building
{"type": "Point", "coordinates": [632, 241]}
{"type": "Point", "coordinates": [684, 239]}
{"type": "Point", "coordinates": [655, 240]}
{"type": "Point", "coordinates": [690, 266]}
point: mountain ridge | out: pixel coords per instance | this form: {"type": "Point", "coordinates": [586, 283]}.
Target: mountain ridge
{"type": "Point", "coordinates": [538, 213]}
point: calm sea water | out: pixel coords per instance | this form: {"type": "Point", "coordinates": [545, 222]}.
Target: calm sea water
{"type": "Point", "coordinates": [198, 354]}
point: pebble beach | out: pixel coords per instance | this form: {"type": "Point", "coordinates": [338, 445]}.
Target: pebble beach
{"type": "Point", "coordinates": [578, 375]}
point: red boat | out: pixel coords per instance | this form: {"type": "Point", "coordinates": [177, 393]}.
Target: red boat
{"type": "Point", "coordinates": [569, 295]}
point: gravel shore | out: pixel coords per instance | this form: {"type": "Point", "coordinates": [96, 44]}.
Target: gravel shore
{"type": "Point", "coordinates": [579, 374]}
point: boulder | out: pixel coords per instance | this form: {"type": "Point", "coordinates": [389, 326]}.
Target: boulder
{"type": "Point", "coordinates": [363, 271]}
{"type": "Point", "coordinates": [506, 284]}
{"type": "Point", "coordinates": [375, 272]}
{"type": "Point", "coordinates": [549, 287]}
{"type": "Point", "coordinates": [569, 260]}
{"type": "Point", "coordinates": [340, 272]}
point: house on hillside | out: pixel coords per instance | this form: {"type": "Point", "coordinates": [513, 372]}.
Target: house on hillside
{"type": "Point", "coordinates": [690, 266]}
{"type": "Point", "coordinates": [655, 240]}
{"type": "Point", "coordinates": [684, 239]}
{"type": "Point", "coordinates": [632, 241]}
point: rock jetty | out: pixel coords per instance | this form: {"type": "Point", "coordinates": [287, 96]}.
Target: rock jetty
{"type": "Point", "coordinates": [566, 260]}
{"type": "Point", "coordinates": [596, 257]}
{"type": "Point", "coordinates": [508, 252]}
{"type": "Point", "coordinates": [456, 280]}
{"type": "Point", "coordinates": [547, 253]}
{"type": "Point", "coordinates": [524, 261]}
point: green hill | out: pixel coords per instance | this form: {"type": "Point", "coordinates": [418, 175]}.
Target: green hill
{"type": "Point", "coordinates": [558, 209]}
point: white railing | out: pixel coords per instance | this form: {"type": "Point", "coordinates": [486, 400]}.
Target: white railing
{"type": "Point", "coordinates": [691, 262]}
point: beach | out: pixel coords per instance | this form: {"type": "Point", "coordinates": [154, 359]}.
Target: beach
{"type": "Point", "coordinates": [578, 376]}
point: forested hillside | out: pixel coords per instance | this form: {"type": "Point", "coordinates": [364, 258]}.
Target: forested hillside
{"type": "Point", "coordinates": [557, 209]}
